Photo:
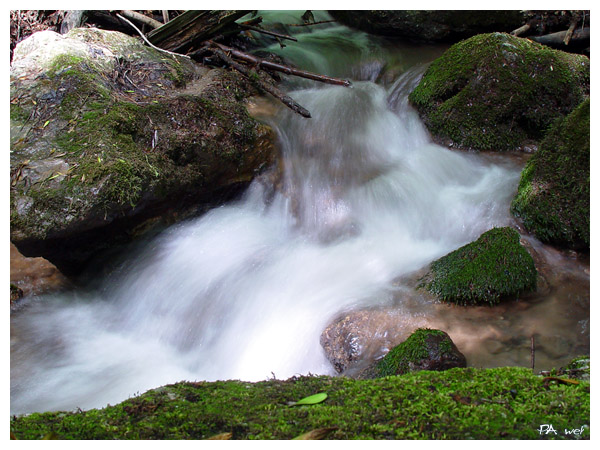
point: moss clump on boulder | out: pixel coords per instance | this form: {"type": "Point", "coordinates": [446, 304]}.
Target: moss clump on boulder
{"type": "Point", "coordinates": [108, 135]}
{"type": "Point", "coordinates": [493, 267]}
{"type": "Point", "coordinates": [461, 403]}
{"type": "Point", "coordinates": [425, 349]}
{"type": "Point", "coordinates": [499, 92]}
{"type": "Point", "coordinates": [553, 198]}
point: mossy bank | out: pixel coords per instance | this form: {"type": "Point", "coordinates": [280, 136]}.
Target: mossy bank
{"type": "Point", "coordinates": [108, 134]}
{"type": "Point", "coordinates": [467, 403]}
{"type": "Point", "coordinates": [499, 92]}
{"type": "Point", "coordinates": [553, 198]}
{"type": "Point", "coordinates": [494, 267]}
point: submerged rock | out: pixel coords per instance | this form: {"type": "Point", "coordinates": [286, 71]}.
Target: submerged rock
{"type": "Point", "coordinates": [553, 199]}
{"type": "Point", "coordinates": [359, 337]}
{"type": "Point", "coordinates": [108, 134]}
{"type": "Point", "coordinates": [430, 26]}
{"type": "Point", "coordinates": [493, 267]}
{"type": "Point", "coordinates": [499, 92]}
{"type": "Point", "coordinates": [425, 349]}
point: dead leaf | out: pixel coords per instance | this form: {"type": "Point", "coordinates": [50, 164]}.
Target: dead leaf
{"type": "Point", "coordinates": [461, 399]}
{"type": "Point", "coordinates": [319, 433]}
{"type": "Point", "coordinates": [220, 437]}
{"type": "Point", "coordinates": [548, 380]}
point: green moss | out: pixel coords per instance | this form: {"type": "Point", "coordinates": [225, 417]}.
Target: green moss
{"type": "Point", "coordinates": [499, 92]}
{"type": "Point", "coordinates": [503, 403]}
{"type": "Point", "coordinates": [553, 198]}
{"type": "Point", "coordinates": [493, 267]}
{"type": "Point", "coordinates": [64, 63]}
{"type": "Point", "coordinates": [413, 350]}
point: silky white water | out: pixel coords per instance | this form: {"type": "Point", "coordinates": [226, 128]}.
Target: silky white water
{"type": "Point", "coordinates": [245, 291]}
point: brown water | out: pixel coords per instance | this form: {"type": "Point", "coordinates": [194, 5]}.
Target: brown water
{"type": "Point", "coordinates": [557, 317]}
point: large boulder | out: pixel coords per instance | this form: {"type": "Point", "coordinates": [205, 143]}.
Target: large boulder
{"type": "Point", "coordinates": [107, 135]}
{"type": "Point", "coordinates": [430, 25]}
{"type": "Point", "coordinates": [499, 92]}
{"type": "Point", "coordinates": [553, 198]}
{"type": "Point", "coordinates": [494, 267]}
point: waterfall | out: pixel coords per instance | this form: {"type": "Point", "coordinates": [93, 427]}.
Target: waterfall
{"type": "Point", "coordinates": [244, 291]}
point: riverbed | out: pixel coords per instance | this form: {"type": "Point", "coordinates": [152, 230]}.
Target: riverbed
{"type": "Point", "coordinates": [363, 198]}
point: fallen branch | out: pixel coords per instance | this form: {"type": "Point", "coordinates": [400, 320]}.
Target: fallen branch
{"type": "Point", "coordinates": [571, 29]}
{"type": "Point", "coordinates": [532, 352]}
{"type": "Point", "coordinates": [148, 42]}
{"type": "Point", "coordinates": [189, 30]}
{"type": "Point", "coordinates": [270, 33]}
{"type": "Point", "coordinates": [133, 15]}
{"type": "Point", "coordinates": [309, 24]}
{"type": "Point", "coordinates": [253, 77]}
{"type": "Point", "coordinates": [521, 30]}
{"type": "Point", "coordinates": [258, 62]}
{"type": "Point", "coordinates": [557, 39]}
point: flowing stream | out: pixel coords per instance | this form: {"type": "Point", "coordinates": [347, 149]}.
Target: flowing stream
{"type": "Point", "coordinates": [245, 291]}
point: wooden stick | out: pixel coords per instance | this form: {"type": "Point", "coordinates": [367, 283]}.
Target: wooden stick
{"type": "Point", "coordinates": [532, 352]}
{"type": "Point", "coordinates": [570, 30]}
{"type": "Point", "coordinates": [148, 42]}
{"type": "Point", "coordinates": [165, 14]}
{"type": "Point", "coordinates": [270, 33]}
{"type": "Point", "coordinates": [279, 67]}
{"type": "Point", "coordinates": [521, 30]}
{"type": "Point", "coordinates": [190, 29]}
{"type": "Point", "coordinates": [133, 15]}
{"type": "Point", "coordinates": [309, 24]}
{"type": "Point", "coordinates": [254, 21]}
{"type": "Point", "coordinates": [557, 39]}
{"type": "Point", "coordinates": [252, 76]}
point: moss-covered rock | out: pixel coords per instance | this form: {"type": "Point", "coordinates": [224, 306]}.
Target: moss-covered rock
{"type": "Point", "coordinates": [499, 92]}
{"type": "Point", "coordinates": [493, 267]}
{"type": "Point", "coordinates": [461, 403]}
{"type": "Point", "coordinates": [107, 134]}
{"type": "Point", "coordinates": [425, 349]}
{"type": "Point", "coordinates": [553, 198]}
{"type": "Point", "coordinates": [430, 25]}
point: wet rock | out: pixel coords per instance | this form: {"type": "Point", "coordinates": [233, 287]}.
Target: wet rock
{"type": "Point", "coordinates": [425, 349]}
{"type": "Point", "coordinates": [556, 346]}
{"type": "Point", "coordinates": [578, 368]}
{"type": "Point", "coordinates": [33, 276]}
{"type": "Point", "coordinates": [430, 26]}
{"type": "Point", "coordinates": [499, 92]}
{"type": "Point", "coordinates": [108, 134]}
{"type": "Point", "coordinates": [360, 337]}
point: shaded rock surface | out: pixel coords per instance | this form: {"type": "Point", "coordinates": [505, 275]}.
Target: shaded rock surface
{"type": "Point", "coordinates": [108, 135]}
{"type": "Point", "coordinates": [430, 26]}
{"type": "Point", "coordinates": [553, 198]}
{"type": "Point", "coordinates": [499, 92]}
